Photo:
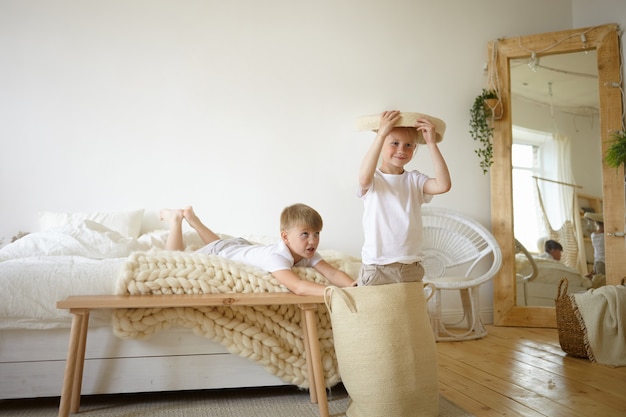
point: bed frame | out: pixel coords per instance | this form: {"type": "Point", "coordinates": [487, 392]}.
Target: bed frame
{"type": "Point", "coordinates": [32, 363]}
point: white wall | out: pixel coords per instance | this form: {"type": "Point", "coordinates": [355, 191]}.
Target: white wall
{"type": "Point", "coordinates": [586, 13]}
{"type": "Point", "coordinates": [237, 108]}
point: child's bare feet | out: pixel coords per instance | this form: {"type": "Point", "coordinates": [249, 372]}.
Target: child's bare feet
{"type": "Point", "coordinates": [206, 234]}
{"type": "Point", "coordinates": [172, 215]}
{"type": "Point", "coordinates": [175, 219]}
{"type": "Point", "coordinates": [191, 217]}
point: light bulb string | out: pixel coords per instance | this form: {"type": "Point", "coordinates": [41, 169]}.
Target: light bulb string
{"type": "Point", "coordinates": [583, 37]}
{"type": "Point", "coordinates": [554, 125]}
{"type": "Point", "coordinates": [581, 34]}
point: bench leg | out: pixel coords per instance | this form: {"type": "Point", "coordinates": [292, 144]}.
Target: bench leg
{"type": "Point", "coordinates": [314, 358]}
{"type": "Point", "coordinates": [72, 379]}
{"type": "Point", "coordinates": [309, 361]}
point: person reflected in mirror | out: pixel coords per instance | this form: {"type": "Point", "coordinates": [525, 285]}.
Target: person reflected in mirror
{"type": "Point", "coordinates": [392, 198]}
{"type": "Point", "coordinates": [552, 250]}
{"type": "Point", "coordinates": [300, 227]}
{"type": "Point", "coordinates": [597, 241]}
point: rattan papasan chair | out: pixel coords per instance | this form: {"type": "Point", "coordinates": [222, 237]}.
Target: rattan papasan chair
{"type": "Point", "coordinates": [459, 255]}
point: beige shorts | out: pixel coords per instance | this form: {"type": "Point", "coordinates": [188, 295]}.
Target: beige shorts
{"type": "Point", "coordinates": [390, 274]}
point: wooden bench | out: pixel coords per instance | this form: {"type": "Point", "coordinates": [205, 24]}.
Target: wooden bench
{"type": "Point", "coordinates": [80, 306]}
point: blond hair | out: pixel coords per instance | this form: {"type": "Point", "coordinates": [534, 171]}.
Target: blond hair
{"type": "Point", "coordinates": [411, 133]}
{"type": "Point", "coordinates": [300, 215]}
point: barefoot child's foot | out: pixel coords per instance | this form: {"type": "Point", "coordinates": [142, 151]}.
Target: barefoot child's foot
{"type": "Point", "coordinates": [191, 217]}
{"type": "Point", "coordinates": [206, 234]}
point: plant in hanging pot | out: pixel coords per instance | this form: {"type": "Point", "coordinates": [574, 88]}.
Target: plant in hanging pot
{"type": "Point", "coordinates": [481, 126]}
{"type": "Point", "coordinates": [616, 153]}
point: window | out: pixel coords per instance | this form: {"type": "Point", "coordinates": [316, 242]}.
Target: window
{"type": "Point", "coordinates": [525, 205]}
{"type": "Point", "coordinates": [526, 157]}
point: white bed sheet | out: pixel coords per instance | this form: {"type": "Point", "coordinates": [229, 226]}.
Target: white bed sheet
{"type": "Point", "coordinates": [44, 267]}
{"type": "Point", "coordinates": [30, 288]}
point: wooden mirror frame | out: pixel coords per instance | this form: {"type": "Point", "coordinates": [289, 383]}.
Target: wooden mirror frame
{"type": "Point", "coordinates": [605, 40]}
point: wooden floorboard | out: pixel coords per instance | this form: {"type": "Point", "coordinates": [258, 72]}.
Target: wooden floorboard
{"type": "Point", "coordinates": [517, 371]}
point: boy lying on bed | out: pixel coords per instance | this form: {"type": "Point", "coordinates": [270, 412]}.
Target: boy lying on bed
{"type": "Point", "coordinates": [300, 227]}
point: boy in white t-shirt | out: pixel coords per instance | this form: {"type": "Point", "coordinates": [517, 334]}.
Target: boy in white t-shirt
{"type": "Point", "coordinates": [392, 197]}
{"type": "Point", "coordinates": [597, 241]}
{"type": "Point", "coordinates": [300, 227]}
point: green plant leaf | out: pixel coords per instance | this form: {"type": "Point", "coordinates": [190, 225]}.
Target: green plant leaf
{"type": "Point", "coordinates": [481, 128]}
{"type": "Point", "coordinates": [616, 153]}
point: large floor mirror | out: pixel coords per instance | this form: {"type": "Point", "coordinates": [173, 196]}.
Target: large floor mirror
{"type": "Point", "coordinates": [563, 83]}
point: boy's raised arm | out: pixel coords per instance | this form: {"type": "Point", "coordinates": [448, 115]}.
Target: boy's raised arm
{"type": "Point", "coordinates": [370, 160]}
{"type": "Point", "coordinates": [441, 182]}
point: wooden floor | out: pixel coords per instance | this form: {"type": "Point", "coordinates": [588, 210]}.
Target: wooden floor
{"type": "Point", "coordinates": [523, 372]}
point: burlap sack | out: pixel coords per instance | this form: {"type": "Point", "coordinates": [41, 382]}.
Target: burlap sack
{"type": "Point", "coordinates": [385, 350]}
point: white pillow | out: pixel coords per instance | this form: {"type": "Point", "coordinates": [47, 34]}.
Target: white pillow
{"type": "Point", "coordinates": [87, 238]}
{"type": "Point", "coordinates": [127, 223]}
{"type": "Point", "coordinates": [152, 221]}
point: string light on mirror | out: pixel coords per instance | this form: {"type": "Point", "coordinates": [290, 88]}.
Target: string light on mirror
{"type": "Point", "coordinates": [533, 62]}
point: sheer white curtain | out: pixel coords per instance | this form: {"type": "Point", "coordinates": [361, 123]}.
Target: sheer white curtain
{"type": "Point", "coordinates": [559, 198]}
{"type": "Point", "coordinates": [556, 166]}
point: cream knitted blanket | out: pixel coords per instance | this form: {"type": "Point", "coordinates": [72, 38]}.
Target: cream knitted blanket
{"type": "Point", "coordinates": [268, 335]}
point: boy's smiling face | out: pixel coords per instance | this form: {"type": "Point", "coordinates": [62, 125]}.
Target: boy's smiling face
{"type": "Point", "coordinates": [302, 241]}
{"type": "Point", "coordinates": [397, 151]}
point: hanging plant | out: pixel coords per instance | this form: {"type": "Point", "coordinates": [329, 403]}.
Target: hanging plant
{"type": "Point", "coordinates": [481, 127]}
{"type": "Point", "coordinates": [616, 153]}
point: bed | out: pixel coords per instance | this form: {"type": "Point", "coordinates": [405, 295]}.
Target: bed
{"type": "Point", "coordinates": [123, 252]}
{"type": "Point", "coordinates": [537, 279]}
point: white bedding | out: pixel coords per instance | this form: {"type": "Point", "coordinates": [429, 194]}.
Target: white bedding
{"type": "Point", "coordinates": [32, 286]}
{"type": "Point", "coordinates": [550, 271]}
{"type": "Point", "coordinates": [82, 258]}
{"type": "Point", "coordinates": [44, 267]}
{"type": "Point", "coordinates": [542, 289]}
{"type": "Point", "coordinates": [88, 239]}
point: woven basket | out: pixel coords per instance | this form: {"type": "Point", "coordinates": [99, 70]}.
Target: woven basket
{"type": "Point", "coordinates": [571, 334]}
{"type": "Point", "coordinates": [385, 349]}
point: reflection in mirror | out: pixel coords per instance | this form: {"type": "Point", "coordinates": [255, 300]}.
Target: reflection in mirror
{"type": "Point", "coordinates": [591, 135]}
{"type": "Point", "coordinates": [556, 156]}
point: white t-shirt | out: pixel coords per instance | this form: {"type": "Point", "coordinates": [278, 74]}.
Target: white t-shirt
{"type": "Point", "coordinates": [274, 257]}
{"type": "Point", "coordinates": [392, 219]}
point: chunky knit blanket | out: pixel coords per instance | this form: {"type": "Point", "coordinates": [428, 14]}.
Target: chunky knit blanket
{"type": "Point", "coordinates": [268, 335]}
